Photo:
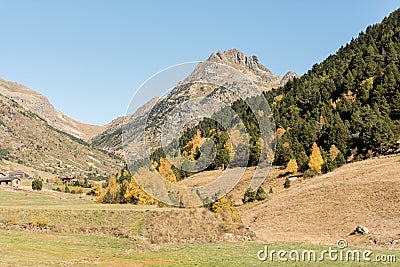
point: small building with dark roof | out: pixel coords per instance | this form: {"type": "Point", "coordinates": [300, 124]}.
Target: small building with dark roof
{"type": "Point", "coordinates": [67, 179]}
{"type": "Point", "coordinates": [13, 182]}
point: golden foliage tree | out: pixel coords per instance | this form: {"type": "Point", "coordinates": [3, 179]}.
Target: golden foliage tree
{"type": "Point", "coordinates": [320, 125]}
{"type": "Point", "coordinates": [333, 104]}
{"type": "Point", "coordinates": [322, 120]}
{"type": "Point", "coordinates": [286, 145]}
{"type": "Point", "coordinates": [79, 190]}
{"type": "Point", "coordinates": [135, 194]}
{"type": "Point", "coordinates": [333, 152]}
{"type": "Point", "coordinates": [125, 173]}
{"type": "Point", "coordinates": [280, 132]}
{"type": "Point", "coordinates": [225, 208]}
{"type": "Point", "coordinates": [260, 143]}
{"type": "Point", "coordinates": [98, 189]}
{"type": "Point", "coordinates": [109, 194]}
{"type": "Point", "coordinates": [228, 147]}
{"type": "Point", "coordinates": [191, 148]}
{"type": "Point", "coordinates": [316, 159]}
{"type": "Point", "coordinates": [113, 186]}
{"type": "Point", "coordinates": [165, 170]}
{"type": "Point", "coordinates": [278, 98]}
{"type": "Point", "coordinates": [292, 166]}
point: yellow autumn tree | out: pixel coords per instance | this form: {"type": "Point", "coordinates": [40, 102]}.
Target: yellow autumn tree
{"type": "Point", "coordinates": [109, 194]}
{"type": "Point", "coordinates": [280, 132]}
{"type": "Point", "coordinates": [260, 144]}
{"type": "Point", "coordinates": [278, 98]}
{"type": "Point", "coordinates": [125, 173]}
{"type": "Point", "coordinates": [135, 194]}
{"type": "Point", "coordinates": [286, 145]}
{"type": "Point", "coordinates": [333, 152]}
{"type": "Point", "coordinates": [165, 170]}
{"type": "Point", "coordinates": [113, 186]}
{"type": "Point", "coordinates": [191, 147]}
{"type": "Point", "coordinates": [292, 166]}
{"type": "Point", "coordinates": [322, 120]}
{"type": "Point", "coordinates": [98, 190]}
{"type": "Point", "coordinates": [316, 159]}
{"type": "Point", "coordinates": [333, 104]}
{"type": "Point", "coordinates": [320, 125]}
{"type": "Point", "coordinates": [228, 147]}
{"type": "Point", "coordinates": [225, 208]}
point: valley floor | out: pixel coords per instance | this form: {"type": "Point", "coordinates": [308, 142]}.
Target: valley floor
{"type": "Point", "coordinates": [43, 229]}
{"type": "Point", "coordinates": [22, 248]}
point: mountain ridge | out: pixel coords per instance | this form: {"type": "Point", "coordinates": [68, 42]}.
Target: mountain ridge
{"type": "Point", "coordinates": [39, 104]}
{"type": "Point", "coordinates": [28, 139]}
{"type": "Point", "coordinates": [249, 66]}
{"type": "Point", "coordinates": [263, 77]}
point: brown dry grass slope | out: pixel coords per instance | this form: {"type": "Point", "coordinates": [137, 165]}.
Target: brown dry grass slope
{"type": "Point", "coordinates": [30, 141]}
{"type": "Point", "coordinates": [328, 207]}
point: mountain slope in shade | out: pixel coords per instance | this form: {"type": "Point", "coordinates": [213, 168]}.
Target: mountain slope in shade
{"type": "Point", "coordinates": [40, 105]}
{"type": "Point", "coordinates": [29, 140]}
{"type": "Point", "coordinates": [249, 66]}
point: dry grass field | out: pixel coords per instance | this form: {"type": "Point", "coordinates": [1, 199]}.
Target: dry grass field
{"type": "Point", "coordinates": [325, 208]}
{"type": "Point", "coordinates": [47, 229]}
{"type": "Point", "coordinates": [46, 211]}
{"type": "Point", "coordinates": [23, 248]}
{"type": "Point", "coordinates": [328, 207]}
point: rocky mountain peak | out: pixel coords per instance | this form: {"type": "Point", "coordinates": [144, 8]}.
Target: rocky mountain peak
{"type": "Point", "coordinates": [290, 75]}
{"type": "Point", "coordinates": [251, 67]}
{"type": "Point", "coordinates": [235, 56]}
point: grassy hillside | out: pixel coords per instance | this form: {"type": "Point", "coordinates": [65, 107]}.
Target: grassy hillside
{"type": "Point", "coordinates": [53, 212]}
{"type": "Point", "coordinates": [324, 208]}
{"type": "Point", "coordinates": [328, 207]}
{"type": "Point", "coordinates": [29, 140]}
{"type": "Point", "coordinates": [40, 105]}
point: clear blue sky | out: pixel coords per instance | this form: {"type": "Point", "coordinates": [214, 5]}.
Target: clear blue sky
{"type": "Point", "coordinates": [89, 56]}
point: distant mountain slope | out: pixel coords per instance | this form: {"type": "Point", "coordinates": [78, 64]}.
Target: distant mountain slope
{"type": "Point", "coordinates": [110, 139]}
{"type": "Point", "coordinates": [249, 66]}
{"type": "Point", "coordinates": [29, 140]}
{"type": "Point", "coordinates": [40, 105]}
